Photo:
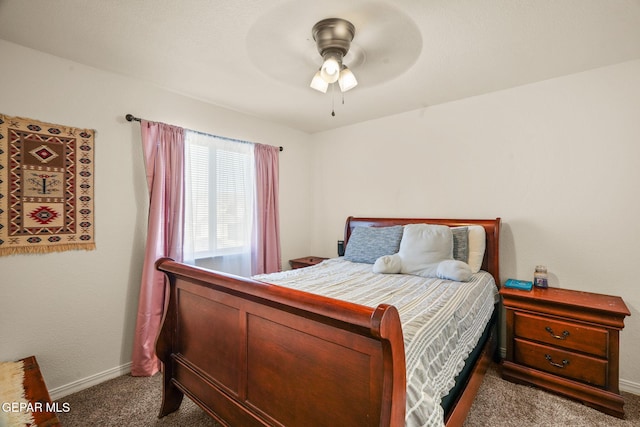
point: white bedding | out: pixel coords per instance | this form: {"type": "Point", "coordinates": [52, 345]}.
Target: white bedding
{"type": "Point", "coordinates": [442, 321]}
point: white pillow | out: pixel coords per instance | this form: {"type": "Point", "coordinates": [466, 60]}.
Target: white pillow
{"type": "Point", "coordinates": [388, 264]}
{"type": "Point", "coordinates": [477, 242]}
{"type": "Point", "coordinates": [423, 247]}
{"type": "Point", "coordinates": [454, 270]}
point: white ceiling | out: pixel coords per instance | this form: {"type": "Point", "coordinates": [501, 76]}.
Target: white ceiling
{"type": "Point", "coordinates": [258, 56]}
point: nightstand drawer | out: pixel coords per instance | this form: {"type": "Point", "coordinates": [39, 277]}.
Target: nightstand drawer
{"type": "Point", "coordinates": [576, 366]}
{"type": "Point", "coordinates": [573, 336]}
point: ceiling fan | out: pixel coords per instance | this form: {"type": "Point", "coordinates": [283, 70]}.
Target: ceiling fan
{"type": "Point", "coordinates": [292, 51]}
{"type": "Point", "coordinates": [333, 37]}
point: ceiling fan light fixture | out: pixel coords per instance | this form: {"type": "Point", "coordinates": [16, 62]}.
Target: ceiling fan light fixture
{"type": "Point", "coordinates": [333, 38]}
{"type": "Point", "coordinates": [347, 80]}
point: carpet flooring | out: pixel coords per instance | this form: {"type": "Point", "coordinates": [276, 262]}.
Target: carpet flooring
{"type": "Point", "coordinates": [130, 401]}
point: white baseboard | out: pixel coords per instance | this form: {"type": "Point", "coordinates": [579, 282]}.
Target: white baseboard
{"type": "Point", "coordinates": [81, 384]}
{"type": "Point", "coordinates": [629, 387]}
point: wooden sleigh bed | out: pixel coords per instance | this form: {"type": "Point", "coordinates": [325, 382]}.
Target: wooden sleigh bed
{"type": "Point", "coordinates": [256, 354]}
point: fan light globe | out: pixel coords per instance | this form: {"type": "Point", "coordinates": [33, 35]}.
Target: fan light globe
{"type": "Point", "coordinates": [318, 83]}
{"type": "Point", "coordinates": [330, 69]}
{"type": "Point", "coordinates": [347, 80]}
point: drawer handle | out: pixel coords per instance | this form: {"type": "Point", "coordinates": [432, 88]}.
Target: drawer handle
{"type": "Point", "coordinates": [564, 335]}
{"type": "Point", "coordinates": [565, 362]}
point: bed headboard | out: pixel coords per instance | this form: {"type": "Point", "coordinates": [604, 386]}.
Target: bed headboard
{"type": "Point", "coordinates": [491, 261]}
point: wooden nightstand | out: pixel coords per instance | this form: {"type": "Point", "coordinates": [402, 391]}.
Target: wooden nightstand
{"type": "Point", "coordinates": [306, 261]}
{"type": "Point", "coordinates": [566, 342]}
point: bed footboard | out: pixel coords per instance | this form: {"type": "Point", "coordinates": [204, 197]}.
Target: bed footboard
{"type": "Point", "coordinates": [254, 354]}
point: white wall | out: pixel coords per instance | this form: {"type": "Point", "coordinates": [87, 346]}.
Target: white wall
{"type": "Point", "coordinates": [76, 310]}
{"type": "Point", "coordinates": [556, 160]}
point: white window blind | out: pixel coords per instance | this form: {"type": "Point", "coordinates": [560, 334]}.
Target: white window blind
{"type": "Point", "coordinates": [219, 202]}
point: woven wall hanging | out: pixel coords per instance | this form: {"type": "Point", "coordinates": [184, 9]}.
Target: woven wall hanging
{"type": "Point", "coordinates": [46, 187]}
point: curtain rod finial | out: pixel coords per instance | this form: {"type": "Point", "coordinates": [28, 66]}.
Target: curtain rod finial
{"type": "Point", "coordinates": [131, 117]}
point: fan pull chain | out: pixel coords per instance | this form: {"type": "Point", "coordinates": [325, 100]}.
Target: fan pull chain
{"type": "Point", "coordinates": [333, 97]}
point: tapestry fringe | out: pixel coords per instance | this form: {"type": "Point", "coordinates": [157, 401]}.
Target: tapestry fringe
{"type": "Point", "coordinates": [12, 390]}
{"type": "Point", "coordinates": [47, 249]}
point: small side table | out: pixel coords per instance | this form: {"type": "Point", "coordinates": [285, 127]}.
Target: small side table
{"type": "Point", "coordinates": [307, 261]}
{"type": "Point", "coordinates": [566, 342]}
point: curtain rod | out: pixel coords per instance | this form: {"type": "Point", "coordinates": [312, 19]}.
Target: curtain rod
{"type": "Point", "coordinates": [132, 118]}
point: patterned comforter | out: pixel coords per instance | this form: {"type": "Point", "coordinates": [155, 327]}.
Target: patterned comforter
{"type": "Point", "coordinates": [442, 321]}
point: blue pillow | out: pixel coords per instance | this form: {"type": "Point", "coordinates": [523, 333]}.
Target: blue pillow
{"type": "Point", "coordinates": [367, 244]}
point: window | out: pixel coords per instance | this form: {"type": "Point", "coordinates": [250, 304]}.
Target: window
{"type": "Point", "coordinates": [219, 202]}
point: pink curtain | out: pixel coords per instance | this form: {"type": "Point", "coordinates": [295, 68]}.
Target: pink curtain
{"type": "Point", "coordinates": [266, 237]}
{"type": "Point", "coordinates": [163, 147]}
